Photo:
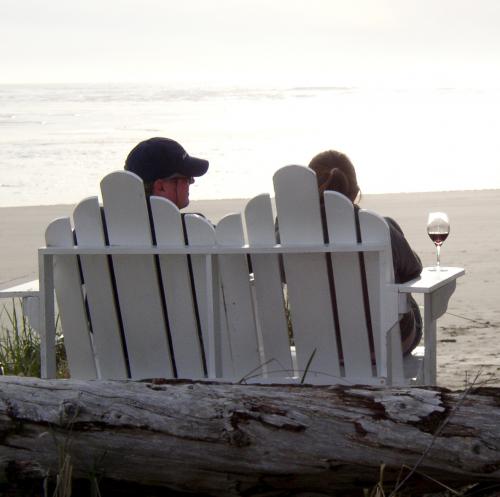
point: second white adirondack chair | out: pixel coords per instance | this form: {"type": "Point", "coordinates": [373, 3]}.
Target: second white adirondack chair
{"type": "Point", "coordinates": [146, 293]}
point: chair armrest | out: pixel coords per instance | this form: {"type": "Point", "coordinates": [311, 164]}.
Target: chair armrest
{"type": "Point", "coordinates": [29, 289]}
{"type": "Point", "coordinates": [29, 294]}
{"type": "Point", "coordinates": [437, 286]}
{"type": "Point", "coordinates": [431, 280]}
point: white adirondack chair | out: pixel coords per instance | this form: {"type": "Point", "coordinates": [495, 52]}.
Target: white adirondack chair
{"type": "Point", "coordinates": [142, 296]}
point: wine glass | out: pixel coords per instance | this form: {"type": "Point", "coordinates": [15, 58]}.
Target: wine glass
{"type": "Point", "coordinates": [438, 229]}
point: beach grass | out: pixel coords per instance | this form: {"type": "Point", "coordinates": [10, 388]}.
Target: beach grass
{"type": "Point", "coordinates": [20, 344]}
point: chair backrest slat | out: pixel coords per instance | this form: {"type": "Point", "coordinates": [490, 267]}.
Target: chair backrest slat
{"type": "Point", "coordinates": [340, 220]}
{"type": "Point", "coordinates": [299, 218]}
{"type": "Point", "coordinates": [181, 311]}
{"type": "Point", "coordinates": [137, 278]}
{"type": "Point", "coordinates": [238, 302]}
{"type": "Point", "coordinates": [383, 303]}
{"type": "Point", "coordinates": [200, 232]}
{"type": "Point", "coordinates": [106, 332]}
{"type": "Point", "coordinates": [71, 302]}
{"type": "Point", "coordinates": [268, 288]}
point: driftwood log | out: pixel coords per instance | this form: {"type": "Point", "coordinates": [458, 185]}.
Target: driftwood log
{"type": "Point", "coordinates": [231, 440]}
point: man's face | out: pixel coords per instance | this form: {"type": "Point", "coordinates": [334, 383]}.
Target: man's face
{"type": "Point", "coordinates": [174, 189]}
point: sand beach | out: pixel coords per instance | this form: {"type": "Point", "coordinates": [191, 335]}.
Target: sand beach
{"type": "Point", "coordinates": [468, 340]}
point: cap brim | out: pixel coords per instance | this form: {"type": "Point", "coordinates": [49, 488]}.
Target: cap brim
{"type": "Point", "coordinates": [194, 166]}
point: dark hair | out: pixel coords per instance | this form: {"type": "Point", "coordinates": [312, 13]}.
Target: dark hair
{"type": "Point", "coordinates": [335, 172]}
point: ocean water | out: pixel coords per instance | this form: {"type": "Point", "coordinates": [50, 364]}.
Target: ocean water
{"type": "Point", "coordinates": [57, 142]}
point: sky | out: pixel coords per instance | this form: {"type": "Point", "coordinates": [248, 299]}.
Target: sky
{"type": "Point", "coordinates": [443, 43]}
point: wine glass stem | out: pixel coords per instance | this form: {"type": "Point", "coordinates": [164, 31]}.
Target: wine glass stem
{"type": "Point", "coordinates": [438, 253]}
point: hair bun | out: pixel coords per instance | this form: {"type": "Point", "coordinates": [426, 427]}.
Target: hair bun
{"type": "Point", "coordinates": [338, 182]}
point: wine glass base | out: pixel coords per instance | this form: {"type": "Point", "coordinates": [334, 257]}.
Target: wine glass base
{"type": "Point", "coordinates": [437, 268]}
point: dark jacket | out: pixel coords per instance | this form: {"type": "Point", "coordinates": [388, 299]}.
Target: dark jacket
{"type": "Point", "coordinates": [407, 264]}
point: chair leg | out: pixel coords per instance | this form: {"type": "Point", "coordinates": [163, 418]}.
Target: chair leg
{"type": "Point", "coordinates": [47, 317]}
{"type": "Point", "coordinates": [430, 343]}
{"type": "Point", "coordinates": [435, 305]}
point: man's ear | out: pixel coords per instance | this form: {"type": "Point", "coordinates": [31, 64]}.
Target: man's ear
{"type": "Point", "coordinates": [157, 186]}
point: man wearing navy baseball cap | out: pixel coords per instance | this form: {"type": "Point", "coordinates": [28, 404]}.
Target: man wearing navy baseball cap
{"type": "Point", "coordinates": [165, 168]}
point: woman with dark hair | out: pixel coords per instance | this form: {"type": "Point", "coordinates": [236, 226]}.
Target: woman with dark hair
{"type": "Point", "coordinates": [335, 172]}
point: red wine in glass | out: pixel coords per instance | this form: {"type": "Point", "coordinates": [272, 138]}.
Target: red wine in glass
{"type": "Point", "coordinates": [438, 238]}
{"type": "Point", "coordinates": [438, 229]}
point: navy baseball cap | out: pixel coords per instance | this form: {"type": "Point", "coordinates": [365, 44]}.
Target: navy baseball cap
{"type": "Point", "coordinates": [158, 158]}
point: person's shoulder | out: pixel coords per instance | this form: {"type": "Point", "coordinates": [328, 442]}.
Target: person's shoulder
{"type": "Point", "coordinates": [393, 224]}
